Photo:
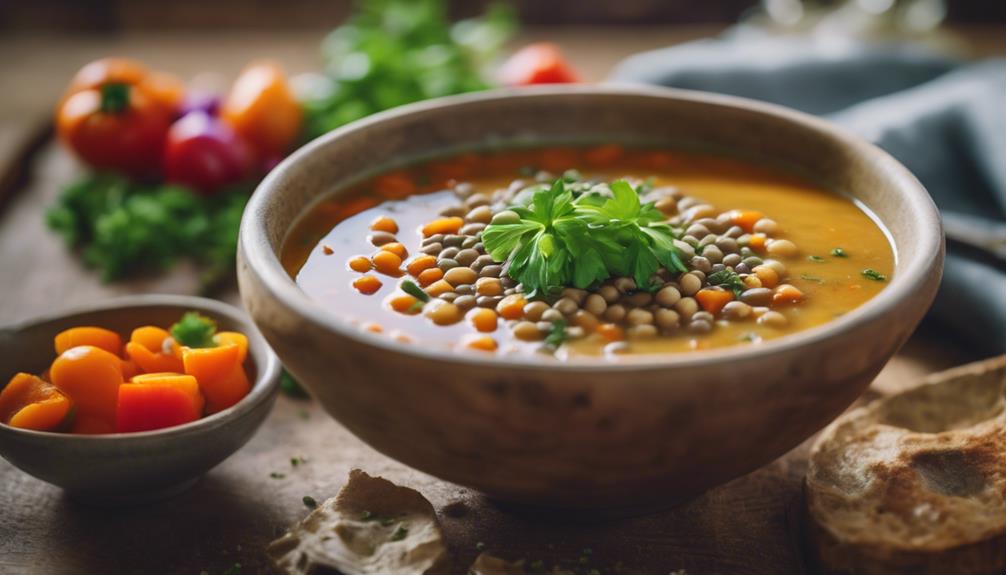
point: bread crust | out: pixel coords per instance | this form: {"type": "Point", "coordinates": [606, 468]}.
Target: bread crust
{"type": "Point", "coordinates": [915, 482]}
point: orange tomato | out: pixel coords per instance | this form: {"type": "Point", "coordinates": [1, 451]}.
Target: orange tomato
{"type": "Point", "coordinates": [262, 109]}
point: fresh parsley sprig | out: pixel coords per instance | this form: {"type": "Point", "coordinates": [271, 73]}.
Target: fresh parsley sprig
{"type": "Point", "coordinates": [564, 240]}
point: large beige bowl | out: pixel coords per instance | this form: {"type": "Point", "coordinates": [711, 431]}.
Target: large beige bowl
{"type": "Point", "coordinates": [644, 431]}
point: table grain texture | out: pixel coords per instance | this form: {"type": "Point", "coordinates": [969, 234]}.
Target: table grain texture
{"type": "Point", "coordinates": [749, 526]}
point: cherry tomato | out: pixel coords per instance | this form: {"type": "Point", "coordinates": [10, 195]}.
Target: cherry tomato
{"type": "Point", "coordinates": [205, 153]}
{"type": "Point", "coordinates": [540, 63]}
{"type": "Point", "coordinates": [116, 126]}
{"type": "Point", "coordinates": [262, 109]}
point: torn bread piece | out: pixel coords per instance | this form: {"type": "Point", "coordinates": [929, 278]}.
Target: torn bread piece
{"type": "Point", "coordinates": [371, 527]}
{"type": "Point", "coordinates": [916, 482]}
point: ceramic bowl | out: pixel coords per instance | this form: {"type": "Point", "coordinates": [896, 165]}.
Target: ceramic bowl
{"type": "Point", "coordinates": [133, 467]}
{"type": "Point", "coordinates": [640, 431]}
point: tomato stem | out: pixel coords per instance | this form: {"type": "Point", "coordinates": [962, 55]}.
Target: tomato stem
{"type": "Point", "coordinates": [114, 98]}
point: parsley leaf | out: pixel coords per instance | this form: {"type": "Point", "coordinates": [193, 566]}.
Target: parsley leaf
{"type": "Point", "coordinates": [872, 274]}
{"type": "Point", "coordinates": [727, 279]}
{"type": "Point", "coordinates": [194, 330]}
{"type": "Point", "coordinates": [562, 240]}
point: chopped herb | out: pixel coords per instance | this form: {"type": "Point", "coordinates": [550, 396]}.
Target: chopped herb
{"type": "Point", "coordinates": [839, 253]}
{"type": "Point", "coordinates": [479, 546]}
{"type": "Point", "coordinates": [233, 569]}
{"type": "Point", "coordinates": [750, 336]}
{"type": "Point", "coordinates": [872, 274]}
{"type": "Point", "coordinates": [194, 330]}
{"type": "Point", "coordinates": [399, 533]}
{"type": "Point", "coordinates": [310, 502]}
{"type": "Point", "coordinates": [295, 461]}
{"type": "Point", "coordinates": [289, 386]}
{"type": "Point", "coordinates": [410, 287]}
{"type": "Point", "coordinates": [557, 335]}
{"type": "Point", "coordinates": [811, 278]}
{"type": "Point", "coordinates": [277, 475]}
{"type": "Point", "coordinates": [386, 521]}
{"type": "Point", "coordinates": [727, 279]}
{"type": "Point", "coordinates": [817, 259]}
{"type": "Point", "coordinates": [562, 240]}
{"type": "Point", "coordinates": [366, 516]}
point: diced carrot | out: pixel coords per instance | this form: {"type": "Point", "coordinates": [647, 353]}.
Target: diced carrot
{"type": "Point", "coordinates": [757, 242]}
{"type": "Point", "coordinates": [430, 276]}
{"type": "Point", "coordinates": [443, 226]}
{"type": "Point", "coordinates": [420, 264]}
{"type": "Point", "coordinates": [713, 299]}
{"type": "Point", "coordinates": [745, 219]}
{"type": "Point", "coordinates": [439, 287]}
{"type": "Point", "coordinates": [221, 377]}
{"type": "Point", "coordinates": [483, 319]}
{"type": "Point", "coordinates": [367, 284]}
{"type": "Point", "coordinates": [327, 250]}
{"type": "Point", "coordinates": [403, 303]}
{"type": "Point", "coordinates": [397, 249]}
{"type": "Point", "coordinates": [237, 338]}
{"type": "Point", "coordinates": [146, 350]}
{"type": "Point", "coordinates": [767, 276]}
{"type": "Point", "coordinates": [384, 224]}
{"type": "Point", "coordinates": [373, 327]}
{"type": "Point", "coordinates": [395, 185]}
{"type": "Point", "coordinates": [611, 332]}
{"type": "Point", "coordinates": [603, 156]}
{"type": "Point", "coordinates": [387, 263]}
{"type": "Point", "coordinates": [98, 337]}
{"type": "Point", "coordinates": [360, 264]}
{"type": "Point", "coordinates": [479, 342]}
{"type": "Point", "coordinates": [91, 377]}
{"type": "Point", "coordinates": [786, 293]}
{"type": "Point", "coordinates": [158, 400]}
{"type": "Point", "coordinates": [511, 307]}
{"type": "Point", "coordinates": [29, 402]}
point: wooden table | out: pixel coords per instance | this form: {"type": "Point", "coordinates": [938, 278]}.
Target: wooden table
{"type": "Point", "coordinates": [750, 525]}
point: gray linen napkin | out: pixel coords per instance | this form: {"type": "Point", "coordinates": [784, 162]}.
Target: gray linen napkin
{"type": "Point", "coordinates": [945, 120]}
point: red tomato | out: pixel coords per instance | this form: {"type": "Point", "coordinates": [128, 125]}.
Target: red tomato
{"type": "Point", "coordinates": [540, 63]}
{"type": "Point", "coordinates": [204, 153]}
{"type": "Point", "coordinates": [115, 127]}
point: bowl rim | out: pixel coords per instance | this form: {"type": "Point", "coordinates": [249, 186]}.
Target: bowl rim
{"type": "Point", "coordinates": [264, 387]}
{"type": "Point", "coordinates": [911, 269]}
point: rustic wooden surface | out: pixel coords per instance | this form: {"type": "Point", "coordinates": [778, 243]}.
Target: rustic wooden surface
{"type": "Point", "coordinates": [750, 525]}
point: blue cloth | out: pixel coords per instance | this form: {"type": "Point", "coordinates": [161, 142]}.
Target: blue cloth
{"type": "Point", "coordinates": [944, 119]}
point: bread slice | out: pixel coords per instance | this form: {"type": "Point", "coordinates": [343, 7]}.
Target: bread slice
{"type": "Point", "coordinates": [916, 482]}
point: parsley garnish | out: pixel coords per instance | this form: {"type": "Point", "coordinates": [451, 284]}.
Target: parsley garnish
{"type": "Point", "coordinates": [727, 279]}
{"type": "Point", "coordinates": [872, 274]}
{"type": "Point", "coordinates": [817, 259]}
{"type": "Point", "coordinates": [194, 330]}
{"type": "Point", "coordinates": [557, 335]}
{"type": "Point", "coordinates": [399, 533]}
{"type": "Point", "coordinates": [562, 240]}
{"type": "Point", "coordinates": [839, 253]}
{"type": "Point", "coordinates": [277, 475]}
{"type": "Point", "coordinates": [310, 502]}
{"type": "Point", "coordinates": [811, 278]}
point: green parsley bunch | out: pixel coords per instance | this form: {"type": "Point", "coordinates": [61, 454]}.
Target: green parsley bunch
{"type": "Point", "coordinates": [564, 239]}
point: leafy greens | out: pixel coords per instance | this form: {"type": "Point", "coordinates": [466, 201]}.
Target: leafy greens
{"type": "Point", "coordinates": [564, 240]}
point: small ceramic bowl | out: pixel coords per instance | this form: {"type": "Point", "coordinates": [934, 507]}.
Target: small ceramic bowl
{"type": "Point", "coordinates": [637, 432]}
{"type": "Point", "coordinates": [133, 467]}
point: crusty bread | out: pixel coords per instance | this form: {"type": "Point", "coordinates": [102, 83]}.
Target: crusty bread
{"type": "Point", "coordinates": [916, 482]}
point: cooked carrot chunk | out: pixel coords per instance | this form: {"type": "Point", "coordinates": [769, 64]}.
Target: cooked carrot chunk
{"type": "Point", "coordinates": [439, 287]}
{"type": "Point", "coordinates": [360, 264]}
{"type": "Point", "coordinates": [158, 400]}
{"type": "Point", "coordinates": [237, 338]}
{"type": "Point", "coordinates": [98, 337]}
{"type": "Point", "coordinates": [403, 303]}
{"type": "Point", "coordinates": [29, 402]}
{"type": "Point", "coordinates": [384, 224]}
{"type": "Point", "coordinates": [91, 377]}
{"type": "Point", "coordinates": [367, 284]}
{"type": "Point", "coordinates": [146, 349]}
{"type": "Point", "coordinates": [397, 249]}
{"type": "Point", "coordinates": [221, 376]}
{"type": "Point", "coordinates": [387, 263]}
{"type": "Point", "coordinates": [443, 226]}
{"type": "Point", "coordinates": [757, 242]}
{"type": "Point", "coordinates": [421, 264]}
{"type": "Point", "coordinates": [611, 332]}
{"type": "Point", "coordinates": [511, 307]}
{"type": "Point", "coordinates": [713, 299]}
{"type": "Point", "coordinates": [746, 219]}
{"type": "Point", "coordinates": [483, 319]}
{"type": "Point", "coordinates": [479, 342]}
{"type": "Point", "coordinates": [430, 276]}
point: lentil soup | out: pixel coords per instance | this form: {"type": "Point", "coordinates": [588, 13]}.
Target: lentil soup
{"type": "Point", "coordinates": [705, 252]}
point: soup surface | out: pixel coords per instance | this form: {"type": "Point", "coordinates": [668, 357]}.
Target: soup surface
{"type": "Point", "coordinates": [768, 254]}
